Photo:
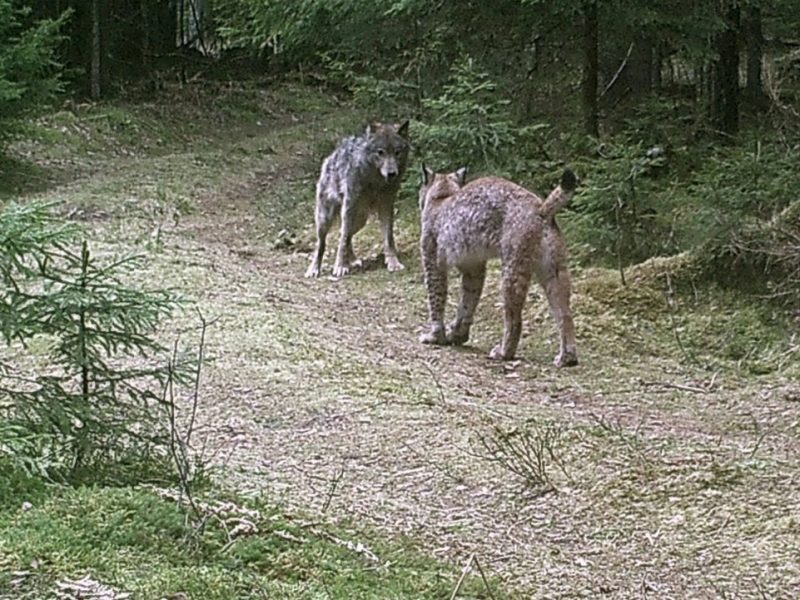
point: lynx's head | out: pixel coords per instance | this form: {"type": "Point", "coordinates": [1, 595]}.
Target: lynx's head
{"type": "Point", "coordinates": [387, 149]}
{"type": "Point", "coordinates": [438, 186]}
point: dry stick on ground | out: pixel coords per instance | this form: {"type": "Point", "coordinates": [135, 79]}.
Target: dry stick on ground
{"type": "Point", "coordinates": [176, 448]}
{"type": "Point", "coordinates": [335, 480]}
{"type": "Point", "coordinates": [464, 572]}
{"type": "Point", "coordinates": [439, 388]}
{"type": "Point", "coordinates": [472, 560]}
{"type": "Point", "coordinates": [178, 445]}
{"type": "Point", "coordinates": [483, 577]}
{"type": "Point", "coordinates": [669, 293]}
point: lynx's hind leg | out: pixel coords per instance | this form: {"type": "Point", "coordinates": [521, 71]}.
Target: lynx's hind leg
{"type": "Point", "coordinates": [558, 288]}
{"type": "Point", "coordinates": [517, 274]}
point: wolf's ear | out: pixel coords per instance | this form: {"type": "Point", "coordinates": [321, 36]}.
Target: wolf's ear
{"type": "Point", "coordinates": [461, 175]}
{"type": "Point", "coordinates": [402, 129]}
{"type": "Point", "coordinates": [372, 127]}
{"type": "Point", "coordinates": [427, 174]}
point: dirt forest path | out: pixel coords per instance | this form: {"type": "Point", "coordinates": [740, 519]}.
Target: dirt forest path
{"type": "Point", "coordinates": [669, 481]}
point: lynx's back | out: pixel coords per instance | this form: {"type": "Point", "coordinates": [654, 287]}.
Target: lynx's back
{"type": "Point", "coordinates": [482, 220]}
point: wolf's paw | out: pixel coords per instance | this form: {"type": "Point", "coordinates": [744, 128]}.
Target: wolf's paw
{"type": "Point", "coordinates": [433, 336]}
{"type": "Point", "coordinates": [393, 264]}
{"type": "Point", "coordinates": [340, 270]}
{"type": "Point", "coordinates": [313, 270]}
{"type": "Point", "coordinates": [566, 359]}
{"type": "Point", "coordinates": [498, 353]}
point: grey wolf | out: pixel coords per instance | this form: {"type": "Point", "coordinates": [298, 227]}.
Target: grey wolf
{"type": "Point", "coordinates": [361, 177]}
{"type": "Point", "coordinates": [466, 224]}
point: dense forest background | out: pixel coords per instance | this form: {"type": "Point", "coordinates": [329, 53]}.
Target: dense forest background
{"type": "Point", "coordinates": [681, 114]}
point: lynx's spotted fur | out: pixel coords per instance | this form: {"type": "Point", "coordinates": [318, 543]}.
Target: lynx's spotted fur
{"type": "Point", "coordinates": [465, 225]}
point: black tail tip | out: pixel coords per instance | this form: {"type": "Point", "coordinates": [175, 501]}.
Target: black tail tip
{"type": "Point", "coordinates": [569, 181]}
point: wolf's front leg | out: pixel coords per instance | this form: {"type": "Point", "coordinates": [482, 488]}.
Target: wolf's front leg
{"type": "Point", "coordinates": [344, 254]}
{"type": "Point", "coordinates": [386, 216]}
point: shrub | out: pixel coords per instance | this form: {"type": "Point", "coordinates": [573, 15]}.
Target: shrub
{"type": "Point", "coordinates": [469, 123]}
{"type": "Point", "coordinates": [80, 386]}
{"type": "Point", "coordinates": [30, 75]}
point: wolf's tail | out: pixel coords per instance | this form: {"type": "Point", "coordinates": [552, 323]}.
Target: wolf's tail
{"type": "Point", "coordinates": [560, 196]}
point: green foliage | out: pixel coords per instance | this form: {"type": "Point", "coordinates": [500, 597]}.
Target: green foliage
{"type": "Point", "coordinates": [83, 391]}
{"type": "Point", "coordinates": [135, 541]}
{"type": "Point", "coordinates": [617, 211]}
{"type": "Point", "coordinates": [469, 123]}
{"type": "Point", "coordinates": [30, 74]}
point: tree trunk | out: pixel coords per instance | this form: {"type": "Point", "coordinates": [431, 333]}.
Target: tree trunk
{"type": "Point", "coordinates": [95, 86]}
{"type": "Point", "coordinates": [590, 68]}
{"type": "Point", "coordinates": [146, 26]}
{"type": "Point", "coordinates": [725, 72]}
{"type": "Point", "coordinates": [754, 89]}
{"type": "Point", "coordinates": [657, 64]}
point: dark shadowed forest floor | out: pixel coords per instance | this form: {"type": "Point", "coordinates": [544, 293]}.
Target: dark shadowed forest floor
{"type": "Point", "coordinates": [666, 465]}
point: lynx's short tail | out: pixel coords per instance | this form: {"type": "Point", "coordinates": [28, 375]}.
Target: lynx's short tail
{"type": "Point", "coordinates": [560, 196]}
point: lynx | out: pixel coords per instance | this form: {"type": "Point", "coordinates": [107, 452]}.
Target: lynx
{"type": "Point", "coordinates": [465, 225]}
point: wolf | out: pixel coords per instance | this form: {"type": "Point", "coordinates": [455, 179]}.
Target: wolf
{"type": "Point", "coordinates": [362, 176]}
{"type": "Point", "coordinates": [466, 224]}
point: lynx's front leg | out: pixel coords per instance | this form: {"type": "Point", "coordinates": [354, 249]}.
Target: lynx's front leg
{"type": "Point", "coordinates": [386, 216]}
{"type": "Point", "coordinates": [436, 286]}
{"type": "Point", "coordinates": [472, 280]}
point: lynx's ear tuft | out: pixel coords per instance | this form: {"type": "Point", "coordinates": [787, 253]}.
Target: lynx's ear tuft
{"type": "Point", "coordinates": [569, 181]}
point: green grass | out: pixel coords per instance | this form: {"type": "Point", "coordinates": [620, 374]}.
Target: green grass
{"type": "Point", "coordinates": [136, 541]}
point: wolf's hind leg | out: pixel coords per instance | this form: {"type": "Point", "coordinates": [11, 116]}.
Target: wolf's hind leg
{"type": "Point", "coordinates": [324, 217]}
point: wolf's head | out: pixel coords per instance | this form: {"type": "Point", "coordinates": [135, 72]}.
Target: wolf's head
{"type": "Point", "coordinates": [438, 186]}
{"type": "Point", "coordinates": [387, 149]}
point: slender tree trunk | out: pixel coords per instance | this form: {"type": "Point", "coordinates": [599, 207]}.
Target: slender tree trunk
{"type": "Point", "coordinates": [725, 73]}
{"type": "Point", "coordinates": [657, 64]}
{"type": "Point", "coordinates": [146, 27]}
{"type": "Point", "coordinates": [97, 53]}
{"type": "Point", "coordinates": [754, 36]}
{"type": "Point", "coordinates": [590, 69]}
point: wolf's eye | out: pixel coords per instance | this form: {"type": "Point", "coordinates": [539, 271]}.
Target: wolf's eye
{"type": "Point", "coordinates": [381, 152]}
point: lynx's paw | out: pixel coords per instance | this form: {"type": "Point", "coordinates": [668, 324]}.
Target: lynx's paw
{"type": "Point", "coordinates": [566, 359]}
{"type": "Point", "coordinates": [497, 353]}
{"type": "Point", "coordinates": [457, 336]}
{"type": "Point", "coordinates": [433, 336]}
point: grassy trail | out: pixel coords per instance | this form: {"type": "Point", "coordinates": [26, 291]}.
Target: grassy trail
{"type": "Point", "coordinates": [669, 468]}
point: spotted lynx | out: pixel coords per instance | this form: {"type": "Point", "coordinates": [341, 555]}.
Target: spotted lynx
{"type": "Point", "coordinates": [464, 225]}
